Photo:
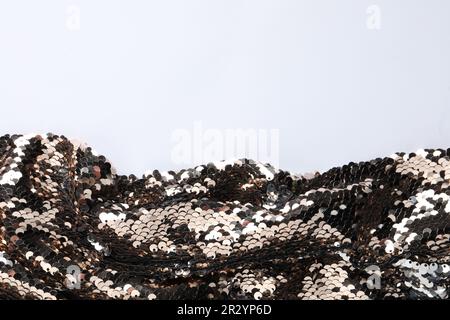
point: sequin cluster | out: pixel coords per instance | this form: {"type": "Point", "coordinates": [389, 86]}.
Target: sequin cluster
{"type": "Point", "coordinates": [72, 228]}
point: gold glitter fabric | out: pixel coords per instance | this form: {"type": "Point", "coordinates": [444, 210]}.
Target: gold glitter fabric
{"type": "Point", "coordinates": [72, 228]}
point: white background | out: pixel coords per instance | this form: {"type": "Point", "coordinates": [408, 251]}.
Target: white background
{"type": "Point", "coordinates": [135, 71]}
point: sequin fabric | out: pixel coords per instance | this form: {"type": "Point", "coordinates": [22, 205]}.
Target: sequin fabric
{"type": "Point", "coordinates": [72, 228]}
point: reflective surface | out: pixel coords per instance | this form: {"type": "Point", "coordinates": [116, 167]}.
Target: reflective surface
{"type": "Point", "coordinates": [72, 228]}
